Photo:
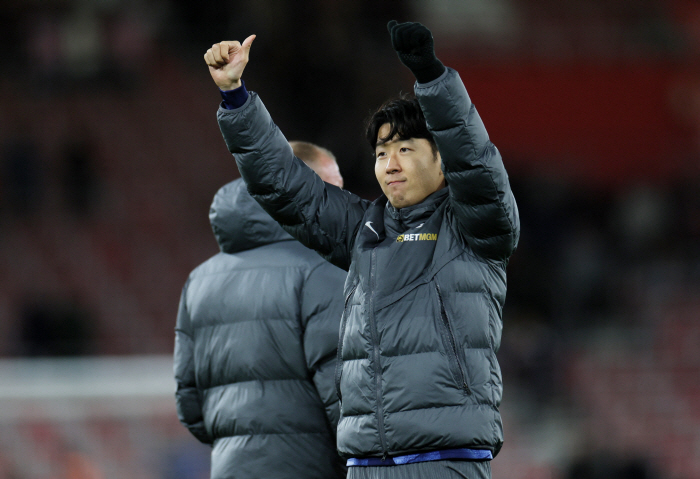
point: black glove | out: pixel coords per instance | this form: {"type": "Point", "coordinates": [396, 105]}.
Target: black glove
{"type": "Point", "coordinates": [414, 44]}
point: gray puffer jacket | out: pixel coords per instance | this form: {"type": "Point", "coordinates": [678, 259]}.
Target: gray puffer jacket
{"type": "Point", "coordinates": [426, 284]}
{"type": "Point", "coordinates": [255, 349]}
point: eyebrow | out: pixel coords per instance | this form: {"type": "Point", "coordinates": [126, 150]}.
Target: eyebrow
{"type": "Point", "coordinates": [393, 140]}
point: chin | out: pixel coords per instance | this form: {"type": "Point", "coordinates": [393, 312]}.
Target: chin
{"type": "Point", "coordinates": [398, 204]}
{"type": "Point", "coordinates": [395, 202]}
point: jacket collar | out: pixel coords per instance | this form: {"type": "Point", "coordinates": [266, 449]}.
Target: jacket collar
{"type": "Point", "coordinates": [397, 221]}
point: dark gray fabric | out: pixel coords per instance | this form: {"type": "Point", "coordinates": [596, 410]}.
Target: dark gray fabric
{"type": "Point", "coordinates": [425, 470]}
{"type": "Point", "coordinates": [255, 349]}
{"type": "Point", "coordinates": [422, 319]}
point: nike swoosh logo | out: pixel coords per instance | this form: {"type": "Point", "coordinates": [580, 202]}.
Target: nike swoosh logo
{"type": "Point", "coordinates": [369, 225]}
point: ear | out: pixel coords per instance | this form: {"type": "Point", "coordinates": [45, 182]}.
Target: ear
{"type": "Point", "coordinates": [438, 159]}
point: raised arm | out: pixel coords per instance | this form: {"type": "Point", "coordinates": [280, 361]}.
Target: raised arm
{"type": "Point", "coordinates": [481, 199]}
{"type": "Point", "coordinates": [321, 216]}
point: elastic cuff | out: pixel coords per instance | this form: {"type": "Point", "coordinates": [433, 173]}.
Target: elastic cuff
{"type": "Point", "coordinates": [235, 98]}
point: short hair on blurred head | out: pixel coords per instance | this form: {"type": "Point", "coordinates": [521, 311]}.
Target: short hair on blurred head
{"type": "Point", "coordinates": [309, 153]}
{"type": "Point", "coordinates": [319, 159]}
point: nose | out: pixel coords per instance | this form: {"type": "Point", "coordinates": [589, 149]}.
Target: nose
{"type": "Point", "coordinates": [393, 165]}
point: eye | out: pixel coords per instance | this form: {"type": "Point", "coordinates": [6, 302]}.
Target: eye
{"type": "Point", "coordinates": [404, 150]}
{"type": "Point", "coordinates": [380, 154]}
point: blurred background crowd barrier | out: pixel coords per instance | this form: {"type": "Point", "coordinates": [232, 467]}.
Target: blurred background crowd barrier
{"type": "Point", "coordinates": [110, 156]}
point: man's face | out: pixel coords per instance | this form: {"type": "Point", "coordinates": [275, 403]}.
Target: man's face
{"type": "Point", "coordinates": [407, 170]}
{"type": "Point", "coordinates": [328, 170]}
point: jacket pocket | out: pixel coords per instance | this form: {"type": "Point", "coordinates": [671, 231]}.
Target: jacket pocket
{"type": "Point", "coordinates": [450, 344]}
{"type": "Point", "coordinates": [343, 323]}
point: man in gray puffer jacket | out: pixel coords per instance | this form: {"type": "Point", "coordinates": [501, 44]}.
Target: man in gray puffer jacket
{"type": "Point", "coordinates": [418, 378]}
{"type": "Point", "coordinates": [255, 349]}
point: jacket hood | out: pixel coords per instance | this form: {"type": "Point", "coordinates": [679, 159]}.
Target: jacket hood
{"type": "Point", "coordinates": [239, 222]}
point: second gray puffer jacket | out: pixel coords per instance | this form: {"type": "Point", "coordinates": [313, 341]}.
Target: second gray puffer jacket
{"type": "Point", "coordinates": [255, 349]}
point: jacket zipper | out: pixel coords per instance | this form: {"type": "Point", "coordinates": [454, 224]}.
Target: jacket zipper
{"type": "Point", "coordinates": [452, 350]}
{"type": "Point", "coordinates": [377, 366]}
{"type": "Point", "coordinates": [339, 361]}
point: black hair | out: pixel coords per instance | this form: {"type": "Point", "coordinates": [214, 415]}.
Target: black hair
{"type": "Point", "coordinates": [406, 119]}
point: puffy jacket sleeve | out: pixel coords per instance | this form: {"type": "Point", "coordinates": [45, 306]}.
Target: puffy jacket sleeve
{"type": "Point", "coordinates": [187, 397]}
{"type": "Point", "coordinates": [322, 307]}
{"type": "Point", "coordinates": [481, 199]}
{"type": "Point", "coordinates": [321, 216]}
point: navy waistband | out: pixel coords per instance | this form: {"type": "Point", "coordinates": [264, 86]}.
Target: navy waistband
{"type": "Point", "coordinates": [469, 454]}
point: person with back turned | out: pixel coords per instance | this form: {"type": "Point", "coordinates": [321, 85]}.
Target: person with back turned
{"type": "Point", "coordinates": [255, 344]}
{"type": "Point", "coordinates": [417, 375]}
